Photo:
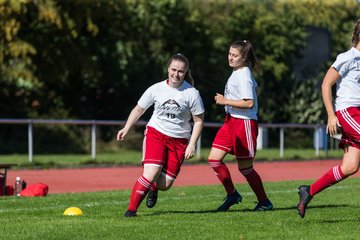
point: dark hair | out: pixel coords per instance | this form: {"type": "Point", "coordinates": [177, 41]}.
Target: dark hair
{"type": "Point", "coordinates": [355, 34]}
{"type": "Point", "coordinates": [181, 57]}
{"type": "Point", "coordinates": [247, 52]}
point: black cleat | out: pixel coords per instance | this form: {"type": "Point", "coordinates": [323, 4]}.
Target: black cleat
{"type": "Point", "coordinates": [130, 213]}
{"type": "Point", "coordinates": [230, 200]}
{"type": "Point", "coordinates": [264, 206]}
{"type": "Point", "coordinates": [305, 198]}
{"type": "Point", "coordinates": [151, 198]}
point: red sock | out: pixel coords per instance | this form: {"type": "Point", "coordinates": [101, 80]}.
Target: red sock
{"type": "Point", "coordinates": [153, 187]}
{"type": "Point", "coordinates": [139, 191]}
{"type": "Point", "coordinates": [333, 176]}
{"type": "Point", "coordinates": [222, 172]}
{"type": "Point", "coordinates": [255, 183]}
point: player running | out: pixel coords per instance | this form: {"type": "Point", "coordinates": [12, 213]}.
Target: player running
{"type": "Point", "coordinates": [169, 135]}
{"type": "Point", "coordinates": [239, 133]}
{"type": "Point", "coordinates": [345, 72]}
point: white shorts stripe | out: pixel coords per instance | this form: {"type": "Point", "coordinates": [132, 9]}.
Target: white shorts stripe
{"type": "Point", "coordinates": [350, 120]}
{"type": "Point", "coordinates": [153, 164]}
{"type": "Point", "coordinates": [143, 149]}
{"type": "Point", "coordinates": [217, 145]}
{"type": "Point", "coordinates": [246, 126]}
{"type": "Point", "coordinates": [249, 137]}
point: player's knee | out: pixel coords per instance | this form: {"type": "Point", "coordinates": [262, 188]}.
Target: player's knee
{"type": "Point", "coordinates": [150, 177]}
{"type": "Point", "coordinates": [165, 187]}
{"type": "Point", "coordinates": [350, 169]}
{"type": "Point", "coordinates": [165, 182]}
{"type": "Point", "coordinates": [246, 171]}
{"type": "Point", "coordinates": [151, 172]}
{"type": "Point", "coordinates": [245, 164]}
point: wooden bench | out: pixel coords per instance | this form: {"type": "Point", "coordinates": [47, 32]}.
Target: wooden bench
{"type": "Point", "coordinates": [4, 167]}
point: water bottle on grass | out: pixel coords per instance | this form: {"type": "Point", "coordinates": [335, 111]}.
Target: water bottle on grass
{"type": "Point", "coordinates": [18, 186]}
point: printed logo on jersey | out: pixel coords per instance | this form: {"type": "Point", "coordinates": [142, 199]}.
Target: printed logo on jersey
{"type": "Point", "coordinates": [170, 105]}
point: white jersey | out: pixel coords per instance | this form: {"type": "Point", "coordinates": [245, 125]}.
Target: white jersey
{"type": "Point", "coordinates": [173, 108]}
{"type": "Point", "coordinates": [347, 64]}
{"type": "Point", "coordinates": [241, 85]}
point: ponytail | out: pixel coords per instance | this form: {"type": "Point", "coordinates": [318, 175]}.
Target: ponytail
{"type": "Point", "coordinates": [188, 76]}
{"type": "Point", "coordinates": [248, 53]}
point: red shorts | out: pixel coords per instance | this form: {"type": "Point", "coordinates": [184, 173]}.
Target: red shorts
{"type": "Point", "coordinates": [238, 137]}
{"type": "Point", "coordinates": [349, 119]}
{"type": "Point", "coordinates": [164, 151]}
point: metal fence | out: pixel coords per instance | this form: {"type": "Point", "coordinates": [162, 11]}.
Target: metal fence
{"type": "Point", "coordinates": [320, 138]}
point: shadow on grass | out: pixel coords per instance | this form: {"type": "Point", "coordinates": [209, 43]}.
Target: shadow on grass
{"type": "Point", "coordinates": [244, 210]}
{"type": "Point", "coordinates": [182, 212]}
{"type": "Point", "coordinates": [328, 206]}
{"type": "Point", "coordinates": [207, 211]}
{"type": "Point", "coordinates": [341, 220]}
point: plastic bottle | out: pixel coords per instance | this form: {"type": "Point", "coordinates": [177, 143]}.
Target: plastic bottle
{"type": "Point", "coordinates": [18, 186]}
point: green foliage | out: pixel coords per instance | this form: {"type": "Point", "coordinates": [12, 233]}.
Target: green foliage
{"type": "Point", "coordinates": [60, 139]}
{"type": "Point", "coordinates": [306, 102]}
{"type": "Point", "coordinates": [93, 59]}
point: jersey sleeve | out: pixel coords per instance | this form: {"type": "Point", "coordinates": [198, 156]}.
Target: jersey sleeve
{"type": "Point", "coordinates": [197, 105]}
{"type": "Point", "coordinates": [341, 64]}
{"type": "Point", "coordinates": [147, 99]}
{"type": "Point", "coordinates": [246, 87]}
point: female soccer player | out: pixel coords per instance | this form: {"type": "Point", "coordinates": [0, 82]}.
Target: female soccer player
{"type": "Point", "coordinates": [169, 135]}
{"type": "Point", "coordinates": [345, 72]}
{"type": "Point", "coordinates": [238, 134]}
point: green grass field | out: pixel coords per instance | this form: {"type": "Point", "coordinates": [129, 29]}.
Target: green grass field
{"type": "Point", "coordinates": [186, 213]}
{"type": "Point", "coordinates": [127, 157]}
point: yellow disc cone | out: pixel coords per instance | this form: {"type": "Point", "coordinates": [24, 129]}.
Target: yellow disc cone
{"type": "Point", "coordinates": [73, 211]}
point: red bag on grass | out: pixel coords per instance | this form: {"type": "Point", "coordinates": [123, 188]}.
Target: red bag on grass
{"type": "Point", "coordinates": [35, 190]}
{"type": "Point", "coordinates": [1, 185]}
{"type": "Point", "coordinates": [9, 190]}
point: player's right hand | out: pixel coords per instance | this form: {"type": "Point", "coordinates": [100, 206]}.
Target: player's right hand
{"type": "Point", "coordinates": [332, 125]}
